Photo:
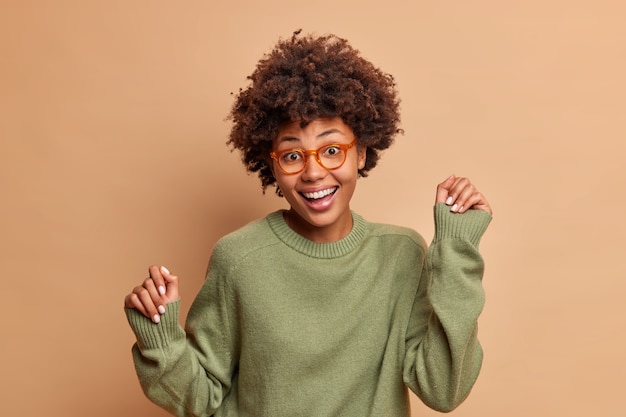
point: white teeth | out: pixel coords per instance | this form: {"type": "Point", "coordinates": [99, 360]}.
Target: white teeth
{"type": "Point", "coordinates": [319, 194]}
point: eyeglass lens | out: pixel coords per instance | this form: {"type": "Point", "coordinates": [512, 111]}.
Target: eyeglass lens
{"type": "Point", "coordinates": [330, 157]}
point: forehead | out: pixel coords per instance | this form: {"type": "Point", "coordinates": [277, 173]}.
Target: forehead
{"type": "Point", "coordinates": [315, 130]}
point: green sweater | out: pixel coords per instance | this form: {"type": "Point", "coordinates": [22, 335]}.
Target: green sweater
{"type": "Point", "coordinates": [284, 326]}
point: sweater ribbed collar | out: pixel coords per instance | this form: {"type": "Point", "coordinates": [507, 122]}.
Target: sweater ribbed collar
{"type": "Point", "coordinates": [318, 250]}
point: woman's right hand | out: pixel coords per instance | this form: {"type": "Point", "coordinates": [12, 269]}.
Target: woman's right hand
{"type": "Point", "coordinates": [151, 297]}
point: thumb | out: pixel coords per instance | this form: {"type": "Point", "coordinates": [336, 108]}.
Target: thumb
{"type": "Point", "coordinates": [171, 284]}
{"type": "Point", "coordinates": [443, 189]}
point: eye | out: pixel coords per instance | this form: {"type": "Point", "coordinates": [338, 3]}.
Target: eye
{"type": "Point", "coordinates": [291, 157]}
{"type": "Point", "coordinates": [332, 151]}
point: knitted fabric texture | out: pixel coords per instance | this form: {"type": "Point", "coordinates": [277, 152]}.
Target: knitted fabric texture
{"type": "Point", "coordinates": [284, 326]}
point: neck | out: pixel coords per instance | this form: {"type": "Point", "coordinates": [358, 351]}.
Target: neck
{"type": "Point", "coordinates": [315, 233]}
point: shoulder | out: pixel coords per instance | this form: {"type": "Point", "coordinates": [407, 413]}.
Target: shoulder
{"type": "Point", "coordinates": [397, 234]}
{"type": "Point", "coordinates": [250, 238]}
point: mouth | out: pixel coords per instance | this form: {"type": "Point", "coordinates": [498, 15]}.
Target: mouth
{"type": "Point", "coordinates": [318, 195]}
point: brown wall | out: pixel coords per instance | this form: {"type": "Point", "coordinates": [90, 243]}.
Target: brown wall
{"type": "Point", "coordinates": [112, 157]}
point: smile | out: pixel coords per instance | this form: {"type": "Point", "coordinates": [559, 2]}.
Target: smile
{"type": "Point", "coordinates": [319, 194]}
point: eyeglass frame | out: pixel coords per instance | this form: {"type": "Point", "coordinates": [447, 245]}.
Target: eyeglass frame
{"type": "Point", "coordinates": [345, 147]}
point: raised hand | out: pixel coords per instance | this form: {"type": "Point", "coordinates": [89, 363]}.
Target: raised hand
{"type": "Point", "coordinates": [461, 195]}
{"type": "Point", "coordinates": [150, 298]}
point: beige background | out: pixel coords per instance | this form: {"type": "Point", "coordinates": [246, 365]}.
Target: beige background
{"type": "Point", "coordinates": [113, 157]}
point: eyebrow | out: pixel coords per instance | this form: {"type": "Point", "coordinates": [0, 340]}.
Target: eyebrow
{"type": "Point", "coordinates": [321, 135]}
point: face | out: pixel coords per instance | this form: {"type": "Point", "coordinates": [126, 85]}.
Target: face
{"type": "Point", "coordinates": [319, 197]}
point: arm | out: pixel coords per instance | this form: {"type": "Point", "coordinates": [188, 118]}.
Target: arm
{"type": "Point", "coordinates": [187, 372]}
{"type": "Point", "coordinates": [443, 356]}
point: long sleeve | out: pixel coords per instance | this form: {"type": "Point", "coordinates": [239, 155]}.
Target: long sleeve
{"type": "Point", "coordinates": [187, 372]}
{"type": "Point", "coordinates": [443, 355]}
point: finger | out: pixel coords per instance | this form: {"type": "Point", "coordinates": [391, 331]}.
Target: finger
{"type": "Point", "coordinates": [132, 301]}
{"type": "Point", "coordinates": [469, 203]}
{"type": "Point", "coordinates": [157, 277]}
{"type": "Point", "coordinates": [465, 196]}
{"type": "Point", "coordinates": [455, 191]}
{"type": "Point", "coordinates": [463, 191]}
{"type": "Point", "coordinates": [443, 189]}
{"type": "Point", "coordinates": [479, 202]}
{"type": "Point", "coordinates": [156, 298]}
{"type": "Point", "coordinates": [140, 300]}
{"type": "Point", "coordinates": [171, 284]}
{"type": "Point", "coordinates": [151, 309]}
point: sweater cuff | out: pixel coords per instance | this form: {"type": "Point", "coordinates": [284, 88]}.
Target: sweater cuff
{"type": "Point", "coordinates": [152, 335]}
{"type": "Point", "coordinates": [468, 226]}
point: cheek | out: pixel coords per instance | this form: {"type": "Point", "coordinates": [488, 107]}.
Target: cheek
{"type": "Point", "coordinates": [285, 182]}
{"type": "Point", "coordinates": [349, 175]}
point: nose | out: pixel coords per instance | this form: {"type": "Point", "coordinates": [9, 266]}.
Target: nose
{"type": "Point", "coordinates": [313, 171]}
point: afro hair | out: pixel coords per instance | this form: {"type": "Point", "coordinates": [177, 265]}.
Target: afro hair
{"type": "Point", "coordinates": [305, 78]}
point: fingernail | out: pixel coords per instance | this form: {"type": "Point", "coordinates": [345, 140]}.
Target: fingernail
{"type": "Point", "coordinates": [161, 290]}
{"type": "Point", "coordinates": [161, 309]}
{"type": "Point", "coordinates": [156, 318]}
{"type": "Point", "coordinates": [449, 200]}
{"type": "Point", "coordinates": [165, 270]}
{"type": "Point", "coordinates": [454, 207]}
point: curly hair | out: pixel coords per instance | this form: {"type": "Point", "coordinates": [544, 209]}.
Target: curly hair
{"type": "Point", "coordinates": [305, 78]}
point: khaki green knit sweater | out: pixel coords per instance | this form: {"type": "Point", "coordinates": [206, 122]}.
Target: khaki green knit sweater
{"type": "Point", "coordinates": [287, 327]}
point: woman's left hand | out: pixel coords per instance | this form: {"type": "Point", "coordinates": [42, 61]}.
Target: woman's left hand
{"type": "Point", "coordinates": [461, 195]}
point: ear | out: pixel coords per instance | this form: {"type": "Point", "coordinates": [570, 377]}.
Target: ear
{"type": "Point", "coordinates": [270, 164]}
{"type": "Point", "coordinates": [361, 156]}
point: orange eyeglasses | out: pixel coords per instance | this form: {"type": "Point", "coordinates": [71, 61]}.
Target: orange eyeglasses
{"type": "Point", "coordinates": [293, 161]}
